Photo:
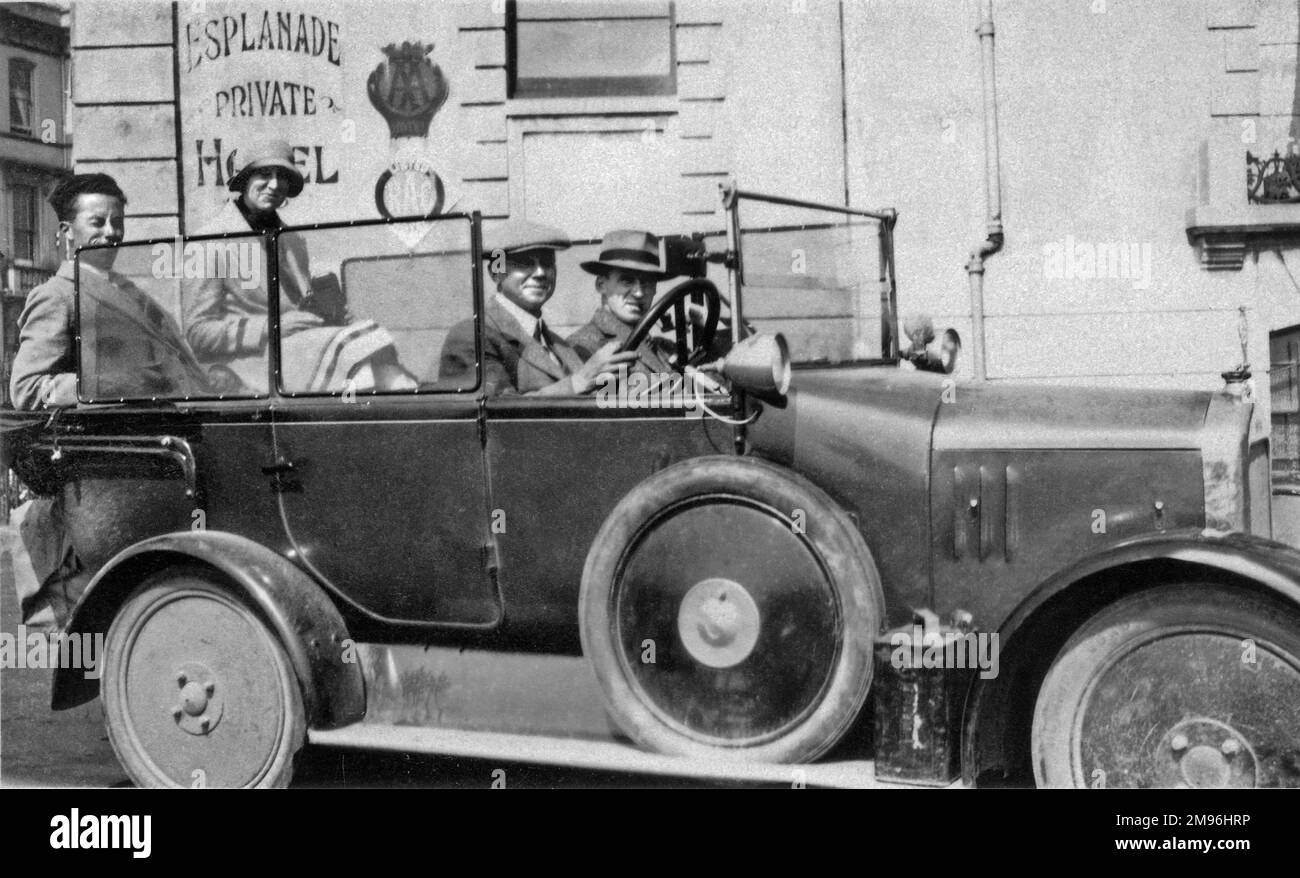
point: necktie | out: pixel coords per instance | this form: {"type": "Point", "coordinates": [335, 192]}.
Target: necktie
{"type": "Point", "coordinates": [539, 333]}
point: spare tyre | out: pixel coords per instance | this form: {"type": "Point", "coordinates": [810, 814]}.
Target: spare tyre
{"type": "Point", "coordinates": [728, 608]}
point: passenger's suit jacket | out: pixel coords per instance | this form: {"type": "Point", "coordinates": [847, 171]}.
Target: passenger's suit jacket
{"type": "Point", "coordinates": [131, 347]}
{"type": "Point", "coordinates": [44, 369]}
{"type": "Point", "coordinates": [513, 361]}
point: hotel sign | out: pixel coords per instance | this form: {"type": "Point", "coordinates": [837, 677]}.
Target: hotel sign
{"type": "Point", "coordinates": [360, 92]}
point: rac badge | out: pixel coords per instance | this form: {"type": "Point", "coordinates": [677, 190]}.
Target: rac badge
{"type": "Point", "coordinates": [408, 89]}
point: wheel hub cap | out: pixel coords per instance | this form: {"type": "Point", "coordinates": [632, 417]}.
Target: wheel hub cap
{"type": "Point", "coordinates": [718, 623]}
{"type": "Point", "coordinates": [1193, 708]}
{"type": "Point", "coordinates": [1200, 752]}
{"type": "Point", "coordinates": [200, 704]}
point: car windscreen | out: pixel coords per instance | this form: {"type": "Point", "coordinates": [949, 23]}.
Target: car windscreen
{"type": "Point", "coordinates": [367, 308]}
{"type": "Point", "coordinates": [815, 276]}
{"type": "Point", "coordinates": [135, 305]}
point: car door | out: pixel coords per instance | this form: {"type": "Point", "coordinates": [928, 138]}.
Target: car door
{"type": "Point", "coordinates": [558, 466]}
{"type": "Point", "coordinates": [382, 488]}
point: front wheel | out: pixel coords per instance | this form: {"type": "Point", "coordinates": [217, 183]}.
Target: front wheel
{"type": "Point", "coordinates": [198, 692]}
{"type": "Point", "coordinates": [1188, 685]}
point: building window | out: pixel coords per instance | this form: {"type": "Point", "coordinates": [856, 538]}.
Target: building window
{"type": "Point", "coordinates": [1284, 381]}
{"type": "Point", "coordinates": [20, 95]}
{"type": "Point", "coordinates": [587, 49]}
{"type": "Point", "coordinates": [25, 201]}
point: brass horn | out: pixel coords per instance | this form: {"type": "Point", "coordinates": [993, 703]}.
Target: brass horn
{"type": "Point", "coordinates": [759, 364]}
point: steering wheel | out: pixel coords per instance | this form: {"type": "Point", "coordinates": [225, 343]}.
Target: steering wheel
{"type": "Point", "coordinates": [694, 290]}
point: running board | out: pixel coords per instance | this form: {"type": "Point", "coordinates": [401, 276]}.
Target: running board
{"type": "Point", "coordinates": [525, 708]}
{"type": "Point", "coordinates": [596, 755]}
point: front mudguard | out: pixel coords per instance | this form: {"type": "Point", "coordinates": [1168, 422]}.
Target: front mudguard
{"type": "Point", "coordinates": [1035, 631]}
{"type": "Point", "coordinates": [293, 606]}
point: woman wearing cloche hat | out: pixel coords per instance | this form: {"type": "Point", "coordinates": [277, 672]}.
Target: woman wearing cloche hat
{"type": "Point", "coordinates": [226, 322]}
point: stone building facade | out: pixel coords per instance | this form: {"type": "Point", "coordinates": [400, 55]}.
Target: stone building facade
{"type": "Point", "coordinates": [34, 155]}
{"type": "Point", "coordinates": [1132, 251]}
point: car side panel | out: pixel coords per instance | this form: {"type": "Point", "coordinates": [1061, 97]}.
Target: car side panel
{"type": "Point", "coordinates": [235, 496]}
{"type": "Point", "coordinates": [122, 485]}
{"type": "Point", "coordinates": [556, 472]}
{"type": "Point", "coordinates": [863, 436]}
{"type": "Point", "coordinates": [1005, 520]}
{"type": "Point", "coordinates": [1027, 479]}
{"type": "Point", "coordinates": [386, 505]}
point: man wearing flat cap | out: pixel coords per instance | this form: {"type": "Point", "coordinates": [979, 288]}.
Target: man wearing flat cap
{"type": "Point", "coordinates": [627, 275]}
{"type": "Point", "coordinates": [520, 352]}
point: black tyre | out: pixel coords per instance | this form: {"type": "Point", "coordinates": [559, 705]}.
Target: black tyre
{"type": "Point", "coordinates": [729, 609]}
{"type": "Point", "coordinates": [1189, 685]}
{"type": "Point", "coordinates": [197, 689]}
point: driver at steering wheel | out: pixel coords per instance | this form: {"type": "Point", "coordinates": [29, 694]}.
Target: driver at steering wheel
{"type": "Point", "coordinates": [627, 275]}
{"type": "Point", "coordinates": [521, 355]}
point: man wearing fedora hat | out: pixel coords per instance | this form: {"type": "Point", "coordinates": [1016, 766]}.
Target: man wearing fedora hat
{"type": "Point", "coordinates": [627, 274]}
{"type": "Point", "coordinates": [520, 352]}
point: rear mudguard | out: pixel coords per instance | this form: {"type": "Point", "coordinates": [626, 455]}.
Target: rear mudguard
{"type": "Point", "coordinates": [295, 608]}
{"type": "Point", "coordinates": [1266, 566]}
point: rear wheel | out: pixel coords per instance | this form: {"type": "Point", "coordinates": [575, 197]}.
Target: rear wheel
{"type": "Point", "coordinates": [1190, 685]}
{"type": "Point", "coordinates": [197, 690]}
{"type": "Point", "coordinates": [729, 609]}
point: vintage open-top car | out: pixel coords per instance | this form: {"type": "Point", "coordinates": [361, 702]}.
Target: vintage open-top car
{"type": "Point", "coordinates": [707, 573]}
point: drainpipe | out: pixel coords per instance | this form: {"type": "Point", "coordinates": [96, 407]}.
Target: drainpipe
{"type": "Point", "coordinates": [992, 190]}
